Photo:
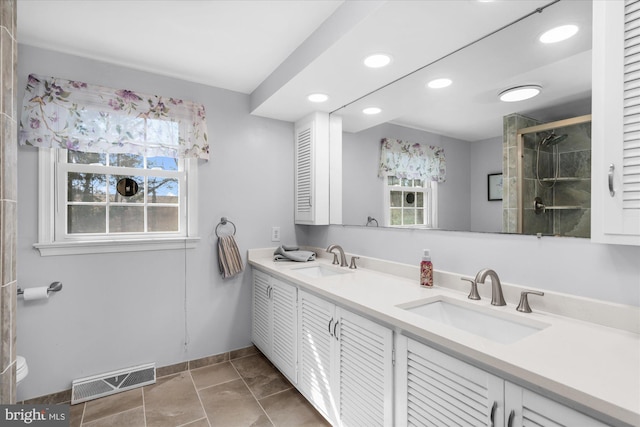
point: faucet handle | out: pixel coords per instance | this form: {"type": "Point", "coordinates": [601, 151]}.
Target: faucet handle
{"type": "Point", "coordinates": [335, 258]}
{"type": "Point", "coordinates": [474, 288]}
{"type": "Point", "coordinates": [523, 306]}
{"type": "Point", "coordinates": [353, 265]}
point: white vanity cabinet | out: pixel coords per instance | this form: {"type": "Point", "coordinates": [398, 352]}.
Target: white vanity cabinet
{"type": "Point", "coordinates": [435, 389]}
{"type": "Point", "coordinates": [345, 364]}
{"type": "Point", "coordinates": [615, 174]}
{"type": "Point", "coordinates": [526, 408]}
{"type": "Point", "coordinates": [274, 324]}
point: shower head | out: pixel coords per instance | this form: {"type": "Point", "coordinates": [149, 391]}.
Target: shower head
{"type": "Point", "coordinates": [552, 139]}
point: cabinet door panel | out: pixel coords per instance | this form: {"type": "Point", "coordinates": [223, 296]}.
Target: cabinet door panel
{"type": "Point", "coordinates": [616, 122]}
{"type": "Point", "coordinates": [314, 353]}
{"type": "Point", "coordinates": [533, 410]}
{"type": "Point", "coordinates": [283, 350]}
{"type": "Point", "coordinates": [442, 390]}
{"type": "Point", "coordinates": [261, 321]}
{"type": "Point", "coordinates": [365, 379]}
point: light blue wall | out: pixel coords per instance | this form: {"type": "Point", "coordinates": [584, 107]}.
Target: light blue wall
{"type": "Point", "coordinates": [562, 264]}
{"type": "Point", "coordinates": [122, 309]}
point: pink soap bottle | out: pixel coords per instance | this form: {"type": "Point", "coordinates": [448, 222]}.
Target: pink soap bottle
{"type": "Point", "coordinates": [426, 270]}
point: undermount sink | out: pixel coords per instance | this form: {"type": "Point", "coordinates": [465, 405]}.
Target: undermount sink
{"type": "Point", "coordinates": [481, 321]}
{"type": "Point", "coordinates": [316, 271]}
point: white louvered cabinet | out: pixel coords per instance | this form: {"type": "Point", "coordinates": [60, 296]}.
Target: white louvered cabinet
{"type": "Point", "coordinates": [274, 323]}
{"type": "Point", "coordinates": [528, 409]}
{"type": "Point", "coordinates": [434, 389]}
{"type": "Point", "coordinates": [346, 366]}
{"type": "Point", "coordinates": [615, 198]}
{"type": "Point", "coordinates": [311, 202]}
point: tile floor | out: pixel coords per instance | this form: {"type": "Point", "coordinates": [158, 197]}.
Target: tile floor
{"type": "Point", "coordinates": [246, 391]}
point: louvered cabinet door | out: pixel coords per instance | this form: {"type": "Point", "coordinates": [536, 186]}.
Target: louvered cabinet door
{"type": "Point", "coordinates": [439, 390]}
{"type": "Point", "coordinates": [304, 177]}
{"type": "Point", "coordinates": [311, 179]}
{"type": "Point", "coordinates": [284, 328]}
{"type": "Point", "coordinates": [616, 122]}
{"type": "Point", "coordinates": [315, 353]}
{"type": "Point", "coordinates": [528, 409]}
{"type": "Point", "coordinates": [365, 375]}
{"type": "Point", "coordinates": [261, 321]}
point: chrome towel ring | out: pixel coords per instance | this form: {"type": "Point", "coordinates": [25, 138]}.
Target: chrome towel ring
{"type": "Point", "coordinates": [224, 221]}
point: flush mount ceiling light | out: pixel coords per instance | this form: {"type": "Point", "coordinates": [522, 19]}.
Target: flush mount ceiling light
{"type": "Point", "coordinates": [377, 60]}
{"type": "Point", "coordinates": [439, 83]}
{"type": "Point", "coordinates": [520, 93]}
{"type": "Point", "coordinates": [559, 34]}
{"type": "Point", "coordinates": [317, 97]}
{"type": "Point", "coordinates": [372, 110]}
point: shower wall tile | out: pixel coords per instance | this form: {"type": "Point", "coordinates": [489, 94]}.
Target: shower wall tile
{"type": "Point", "coordinates": [8, 385]}
{"type": "Point", "coordinates": [8, 158]}
{"type": "Point", "coordinates": [574, 223]}
{"type": "Point", "coordinates": [7, 56]}
{"type": "Point", "coordinates": [7, 310]}
{"type": "Point", "coordinates": [576, 164]}
{"type": "Point", "coordinates": [574, 193]}
{"type": "Point", "coordinates": [8, 195]}
{"type": "Point", "coordinates": [8, 15]}
{"type": "Point", "coordinates": [8, 240]}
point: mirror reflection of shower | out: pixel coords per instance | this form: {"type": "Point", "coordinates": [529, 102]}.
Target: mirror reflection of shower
{"type": "Point", "coordinates": [554, 178]}
{"type": "Point", "coordinates": [549, 140]}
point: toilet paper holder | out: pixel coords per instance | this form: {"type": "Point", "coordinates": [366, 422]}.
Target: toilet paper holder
{"type": "Point", "coordinates": [54, 287]}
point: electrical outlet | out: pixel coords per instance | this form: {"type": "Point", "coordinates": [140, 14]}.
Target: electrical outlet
{"type": "Point", "coordinates": [275, 234]}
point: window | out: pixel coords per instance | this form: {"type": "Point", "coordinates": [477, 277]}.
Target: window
{"type": "Point", "coordinates": [81, 210]}
{"type": "Point", "coordinates": [117, 168]}
{"type": "Point", "coordinates": [410, 203]}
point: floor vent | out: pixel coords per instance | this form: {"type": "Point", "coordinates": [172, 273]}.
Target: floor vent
{"type": "Point", "coordinates": [89, 388]}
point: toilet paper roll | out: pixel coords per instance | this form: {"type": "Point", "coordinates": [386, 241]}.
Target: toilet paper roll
{"type": "Point", "coordinates": [36, 293]}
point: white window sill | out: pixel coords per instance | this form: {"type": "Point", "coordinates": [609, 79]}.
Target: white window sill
{"type": "Point", "coordinates": [108, 246]}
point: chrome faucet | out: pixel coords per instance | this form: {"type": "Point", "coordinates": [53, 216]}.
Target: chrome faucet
{"type": "Point", "coordinates": [343, 258]}
{"type": "Point", "coordinates": [496, 287]}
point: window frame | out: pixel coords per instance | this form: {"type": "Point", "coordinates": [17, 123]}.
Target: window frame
{"type": "Point", "coordinates": [430, 208]}
{"type": "Point", "coordinates": [52, 237]}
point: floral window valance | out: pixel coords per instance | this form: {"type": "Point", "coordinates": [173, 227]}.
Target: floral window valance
{"type": "Point", "coordinates": [408, 160]}
{"type": "Point", "coordinates": [78, 116]}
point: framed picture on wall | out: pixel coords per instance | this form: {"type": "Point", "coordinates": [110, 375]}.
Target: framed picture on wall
{"type": "Point", "coordinates": [494, 186]}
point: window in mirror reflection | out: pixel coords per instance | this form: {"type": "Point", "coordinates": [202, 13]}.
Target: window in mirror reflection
{"type": "Point", "coordinates": [409, 202]}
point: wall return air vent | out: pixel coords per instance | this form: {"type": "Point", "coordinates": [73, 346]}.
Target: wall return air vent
{"type": "Point", "coordinates": [96, 386]}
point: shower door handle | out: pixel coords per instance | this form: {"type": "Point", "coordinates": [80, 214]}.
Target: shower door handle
{"type": "Point", "coordinates": [612, 192]}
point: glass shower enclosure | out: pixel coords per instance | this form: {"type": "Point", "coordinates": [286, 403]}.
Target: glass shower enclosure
{"type": "Point", "coordinates": [554, 179]}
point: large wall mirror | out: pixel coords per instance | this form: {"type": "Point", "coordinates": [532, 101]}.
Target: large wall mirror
{"type": "Point", "coordinates": [492, 166]}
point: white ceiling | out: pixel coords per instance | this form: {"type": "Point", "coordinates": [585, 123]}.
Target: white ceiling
{"type": "Point", "coordinates": [233, 45]}
{"type": "Point", "coordinates": [280, 51]}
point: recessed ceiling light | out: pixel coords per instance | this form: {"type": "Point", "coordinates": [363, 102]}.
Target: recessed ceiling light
{"type": "Point", "coordinates": [439, 83]}
{"type": "Point", "coordinates": [520, 93]}
{"type": "Point", "coordinates": [372, 110]}
{"type": "Point", "coordinates": [559, 34]}
{"type": "Point", "coordinates": [377, 60]}
{"type": "Point", "coordinates": [317, 97]}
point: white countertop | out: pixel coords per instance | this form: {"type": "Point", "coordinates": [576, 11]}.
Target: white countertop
{"type": "Point", "coordinates": [582, 364]}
